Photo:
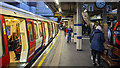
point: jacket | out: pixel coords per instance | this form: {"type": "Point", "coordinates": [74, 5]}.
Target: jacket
{"type": "Point", "coordinates": [98, 41]}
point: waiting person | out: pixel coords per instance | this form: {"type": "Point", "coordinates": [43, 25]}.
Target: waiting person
{"type": "Point", "coordinates": [69, 31]}
{"type": "Point", "coordinates": [14, 42]}
{"type": "Point", "coordinates": [89, 29]}
{"type": "Point", "coordinates": [97, 44]}
{"type": "Point", "coordinates": [64, 28]}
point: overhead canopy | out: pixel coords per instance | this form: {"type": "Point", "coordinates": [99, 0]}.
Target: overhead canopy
{"type": "Point", "coordinates": [69, 8]}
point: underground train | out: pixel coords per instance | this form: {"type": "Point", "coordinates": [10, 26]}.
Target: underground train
{"type": "Point", "coordinates": [33, 33]}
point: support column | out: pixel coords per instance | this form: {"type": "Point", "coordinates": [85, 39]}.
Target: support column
{"type": "Point", "coordinates": [105, 28]}
{"type": "Point", "coordinates": [79, 27]}
{"type": "Point", "coordinates": [75, 29]}
{"type": "Point", "coordinates": [104, 15]}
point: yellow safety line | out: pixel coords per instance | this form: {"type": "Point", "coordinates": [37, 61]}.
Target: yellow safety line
{"type": "Point", "coordinates": [26, 64]}
{"type": "Point", "coordinates": [39, 65]}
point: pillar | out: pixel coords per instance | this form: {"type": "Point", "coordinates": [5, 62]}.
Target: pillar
{"type": "Point", "coordinates": [75, 29]}
{"type": "Point", "coordinates": [104, 15]}
{"type": "Point", "coordinates": [79, 27]}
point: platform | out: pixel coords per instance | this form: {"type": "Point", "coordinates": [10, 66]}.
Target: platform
{"type": "Point", "coordinates": [61, 53]}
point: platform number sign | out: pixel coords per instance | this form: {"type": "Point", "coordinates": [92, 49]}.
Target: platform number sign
{"type": "Point", "coordinates": [100, 4]}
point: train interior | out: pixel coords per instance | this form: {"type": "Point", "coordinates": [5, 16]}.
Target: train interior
{"type": "Point", "coordinates": [17, 38]}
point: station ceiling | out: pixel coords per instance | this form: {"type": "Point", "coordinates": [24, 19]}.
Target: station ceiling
{"type": "Point", "coordinates": [69, 8]}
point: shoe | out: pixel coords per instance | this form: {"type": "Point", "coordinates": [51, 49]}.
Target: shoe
{"type": "Point", "coordinates": [99, 65]}
{"type": "Point", "coordinates": [17, 59]}
{"type": "Point", "coordinates": [94, 64]}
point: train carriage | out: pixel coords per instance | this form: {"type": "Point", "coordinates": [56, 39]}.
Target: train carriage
{"type": "Point", "coordinates": [33, 32]}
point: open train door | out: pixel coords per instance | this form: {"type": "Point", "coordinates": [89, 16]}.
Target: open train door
{"type": "Point", "coordinates": [31, 38]}
{"type": "Point", "coordinates": [4, 55]}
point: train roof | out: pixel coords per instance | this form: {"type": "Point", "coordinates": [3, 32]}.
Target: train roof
{"type": "Point", "coordinates": [7, 9]}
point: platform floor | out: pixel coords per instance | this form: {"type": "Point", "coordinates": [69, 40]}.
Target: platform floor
{"type": "Point", "coordinates": [65, 54]}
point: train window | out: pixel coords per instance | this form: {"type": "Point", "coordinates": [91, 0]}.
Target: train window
{"type": "Point", "coordinates": [49, 29]}
{"type": "Point", "coordinates": [43, 29]}
{"type": "Point", "coordinates": [1, 44]}
{"type": "Point", "coordinates": [30, 29]}
{"type": "Point", "coordinates": [40, 29]}
{"type": "Point", "coordinates": [36, 32]}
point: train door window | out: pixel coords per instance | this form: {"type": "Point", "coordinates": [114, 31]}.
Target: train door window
{"type": "Point", "coordinates": [49, 29]}
{"type": "Point", "coordinates": [43, 29]}
{"type": "Point", "coordinates": [40, 29]}
{"type": "Point", "coordinates": [52, 28]}
{"type": "Point", "coordinates": [30, 29]}
{"type": "Point", "coordinates": [46, 28]}
{"type": "Point", "coordinates": [1, 45]}
{"type": "Point", "coordinates": [36, 31]}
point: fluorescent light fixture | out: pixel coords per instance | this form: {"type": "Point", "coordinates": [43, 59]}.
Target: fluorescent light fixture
{"type": "Point", "coordinates": [60, 9]}
{"type": "Point", "coordinates": [85, 10]}
{"type": "Point", "coordinates": [57, 2]}
{"type": "Point", "coordinates": [65, 20]}
{"type": "Point", "coordinates": [46, 6]}
{"type": "Point", "coordinates": [15, 19]}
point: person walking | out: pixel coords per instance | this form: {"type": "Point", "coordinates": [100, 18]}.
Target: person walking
{"type": "Point", "coordinates": [97, 44]}
{"type": "Point", "coordinates": [69, 31]}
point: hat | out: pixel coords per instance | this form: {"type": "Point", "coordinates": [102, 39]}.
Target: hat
{"type": "Point", "coordinates": [99, 28]}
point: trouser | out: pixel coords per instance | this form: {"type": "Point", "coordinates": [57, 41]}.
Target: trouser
{"type": "Point", "coordinates": [96, 55]}
{"type": "Point", "coordinates": [65, 33]}
{"type": "Point", "coordinates": [17, 55]}
{"type": "Point", "coordinates": [69, 38]}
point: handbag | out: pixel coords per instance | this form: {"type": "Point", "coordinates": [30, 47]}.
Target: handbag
{"type": "Point", "coordinates": [18, 49]}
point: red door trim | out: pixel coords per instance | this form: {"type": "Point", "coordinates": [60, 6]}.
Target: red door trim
{"type": "Point", "coordinates": [31, 44]}
{"type": "Point", "coordinates": [5, 59]}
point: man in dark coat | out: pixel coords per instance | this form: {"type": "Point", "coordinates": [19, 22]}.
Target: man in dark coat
{"type": "Point", "coordinates": [69, 31]}
{"type": "Point", "coordinates": [97, 44]}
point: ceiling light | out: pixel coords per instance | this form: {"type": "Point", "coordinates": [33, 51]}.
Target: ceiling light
{"type": "Point", "coordinates": [60, 9]}
{"type": "Point", "coordinates": [15, 19]}
{"type": "Point", "coordinates": [46, 6]}
{"type": "Point", "coordinates": [57, 2]}
{"type": "Point", "coordinates": [85, 10]}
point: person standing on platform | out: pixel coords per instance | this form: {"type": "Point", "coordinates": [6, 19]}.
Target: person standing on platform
{"type": "Point", "coordinates": [69, 31]}
{"type": "Point", "coordinates": [97, 44]}
{"type": "Point", "coordinates": [89, 29]}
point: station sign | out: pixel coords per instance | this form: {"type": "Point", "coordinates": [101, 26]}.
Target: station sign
{"type": "Point", "coordinates": [109, 8]}
{"type": "Point", "coordinates": [57, 14]}
{"type": "Point", "coordinates": [91, 7]}
{"type": "Point", "coordinates": [61, 15]}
